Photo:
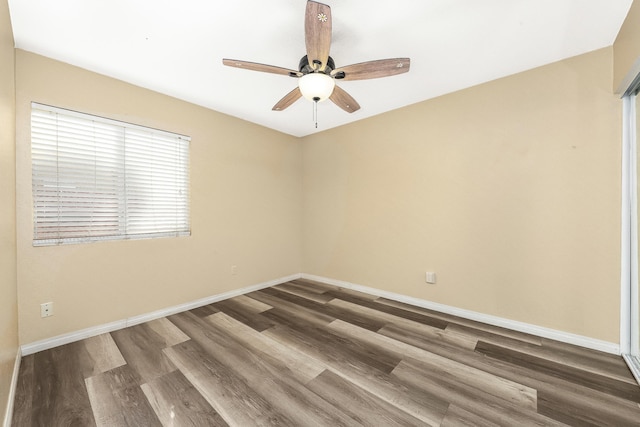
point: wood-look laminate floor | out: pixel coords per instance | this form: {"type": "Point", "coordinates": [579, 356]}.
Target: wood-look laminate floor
{"type": "Point", "coordinates": [308, 354]}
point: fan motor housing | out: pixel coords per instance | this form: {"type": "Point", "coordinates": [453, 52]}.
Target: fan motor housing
{"type": "Point", "coordinates": [305, 68]}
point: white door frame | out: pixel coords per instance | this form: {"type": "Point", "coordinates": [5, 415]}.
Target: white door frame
{"type": "Point", "coordinates": [629, 310]}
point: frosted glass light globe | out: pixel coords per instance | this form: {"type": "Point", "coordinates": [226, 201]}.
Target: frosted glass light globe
{"type": "Point", "coordinates": [316, 86]}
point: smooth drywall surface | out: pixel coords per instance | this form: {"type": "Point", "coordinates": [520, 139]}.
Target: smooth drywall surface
{"type": "Point", "coordinates": [627, 50]}
{"type": "Point", "coordinates": [8, 298]}
{"type": "Point", "coordinates": [508, 191]}
{"type": "Point", "coordinates": [245, 210]}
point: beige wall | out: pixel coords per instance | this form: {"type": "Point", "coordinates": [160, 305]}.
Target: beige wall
{"type": "Point", "coordinates": [245, 210]}
{"type": "Point", "coordinates": [627, 50]}
{"type": "Point", "coordinates": [8, 298]}
{"type": "Point", "coordinates": [509, 191]}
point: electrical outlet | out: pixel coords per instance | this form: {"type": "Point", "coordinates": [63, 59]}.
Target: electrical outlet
{"type": "Point", "coordinates": [46, 309]}
{"type": "Point", "coordinates": [234, 270]}
{"type": "Point", "coordinates": [430, 277]}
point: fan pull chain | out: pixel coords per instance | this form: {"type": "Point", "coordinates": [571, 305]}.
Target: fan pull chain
{"type": "Point", "coordinates": [315, 113]}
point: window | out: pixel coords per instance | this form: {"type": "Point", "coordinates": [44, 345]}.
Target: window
{"type": "Point", "coordinates": [100, 179]}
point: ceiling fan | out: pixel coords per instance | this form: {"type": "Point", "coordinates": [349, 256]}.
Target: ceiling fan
{"type": "Point", "coordinates": [317, 72]}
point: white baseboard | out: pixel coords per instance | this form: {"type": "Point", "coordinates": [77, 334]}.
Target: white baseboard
{"type": "Point", "coordinates": [8, 415]}
{"type": "Point", "coordinates": [135, 320]}
{"type": "Point", "coordinates": [208, 300]}
{"type": "Point", "coordinates": [566, 337]}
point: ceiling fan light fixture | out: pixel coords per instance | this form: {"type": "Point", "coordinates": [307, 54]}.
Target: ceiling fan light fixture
{"type": "Point", "coordinates": [316, 86]}
{"type": "Point", "coordinates": [317, 72]}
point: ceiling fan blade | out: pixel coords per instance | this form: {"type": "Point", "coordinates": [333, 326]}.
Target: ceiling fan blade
{"type": "Point", "coordinates": [288, 99]}
{"type": "Point", "coordinates": [343, 100]}
{"type": "Point", "coordinates": [260, 67]}
{"type": "Point", "coordinates": [373, 69]}
{"type": "Point", "coordinates": [317, 34]}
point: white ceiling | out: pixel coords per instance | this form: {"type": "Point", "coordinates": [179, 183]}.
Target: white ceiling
{"type": "Point", "coordinates": [176, 47]}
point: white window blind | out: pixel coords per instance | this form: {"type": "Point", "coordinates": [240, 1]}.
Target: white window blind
{"type": "Point", "coordinates": [100, 179]}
